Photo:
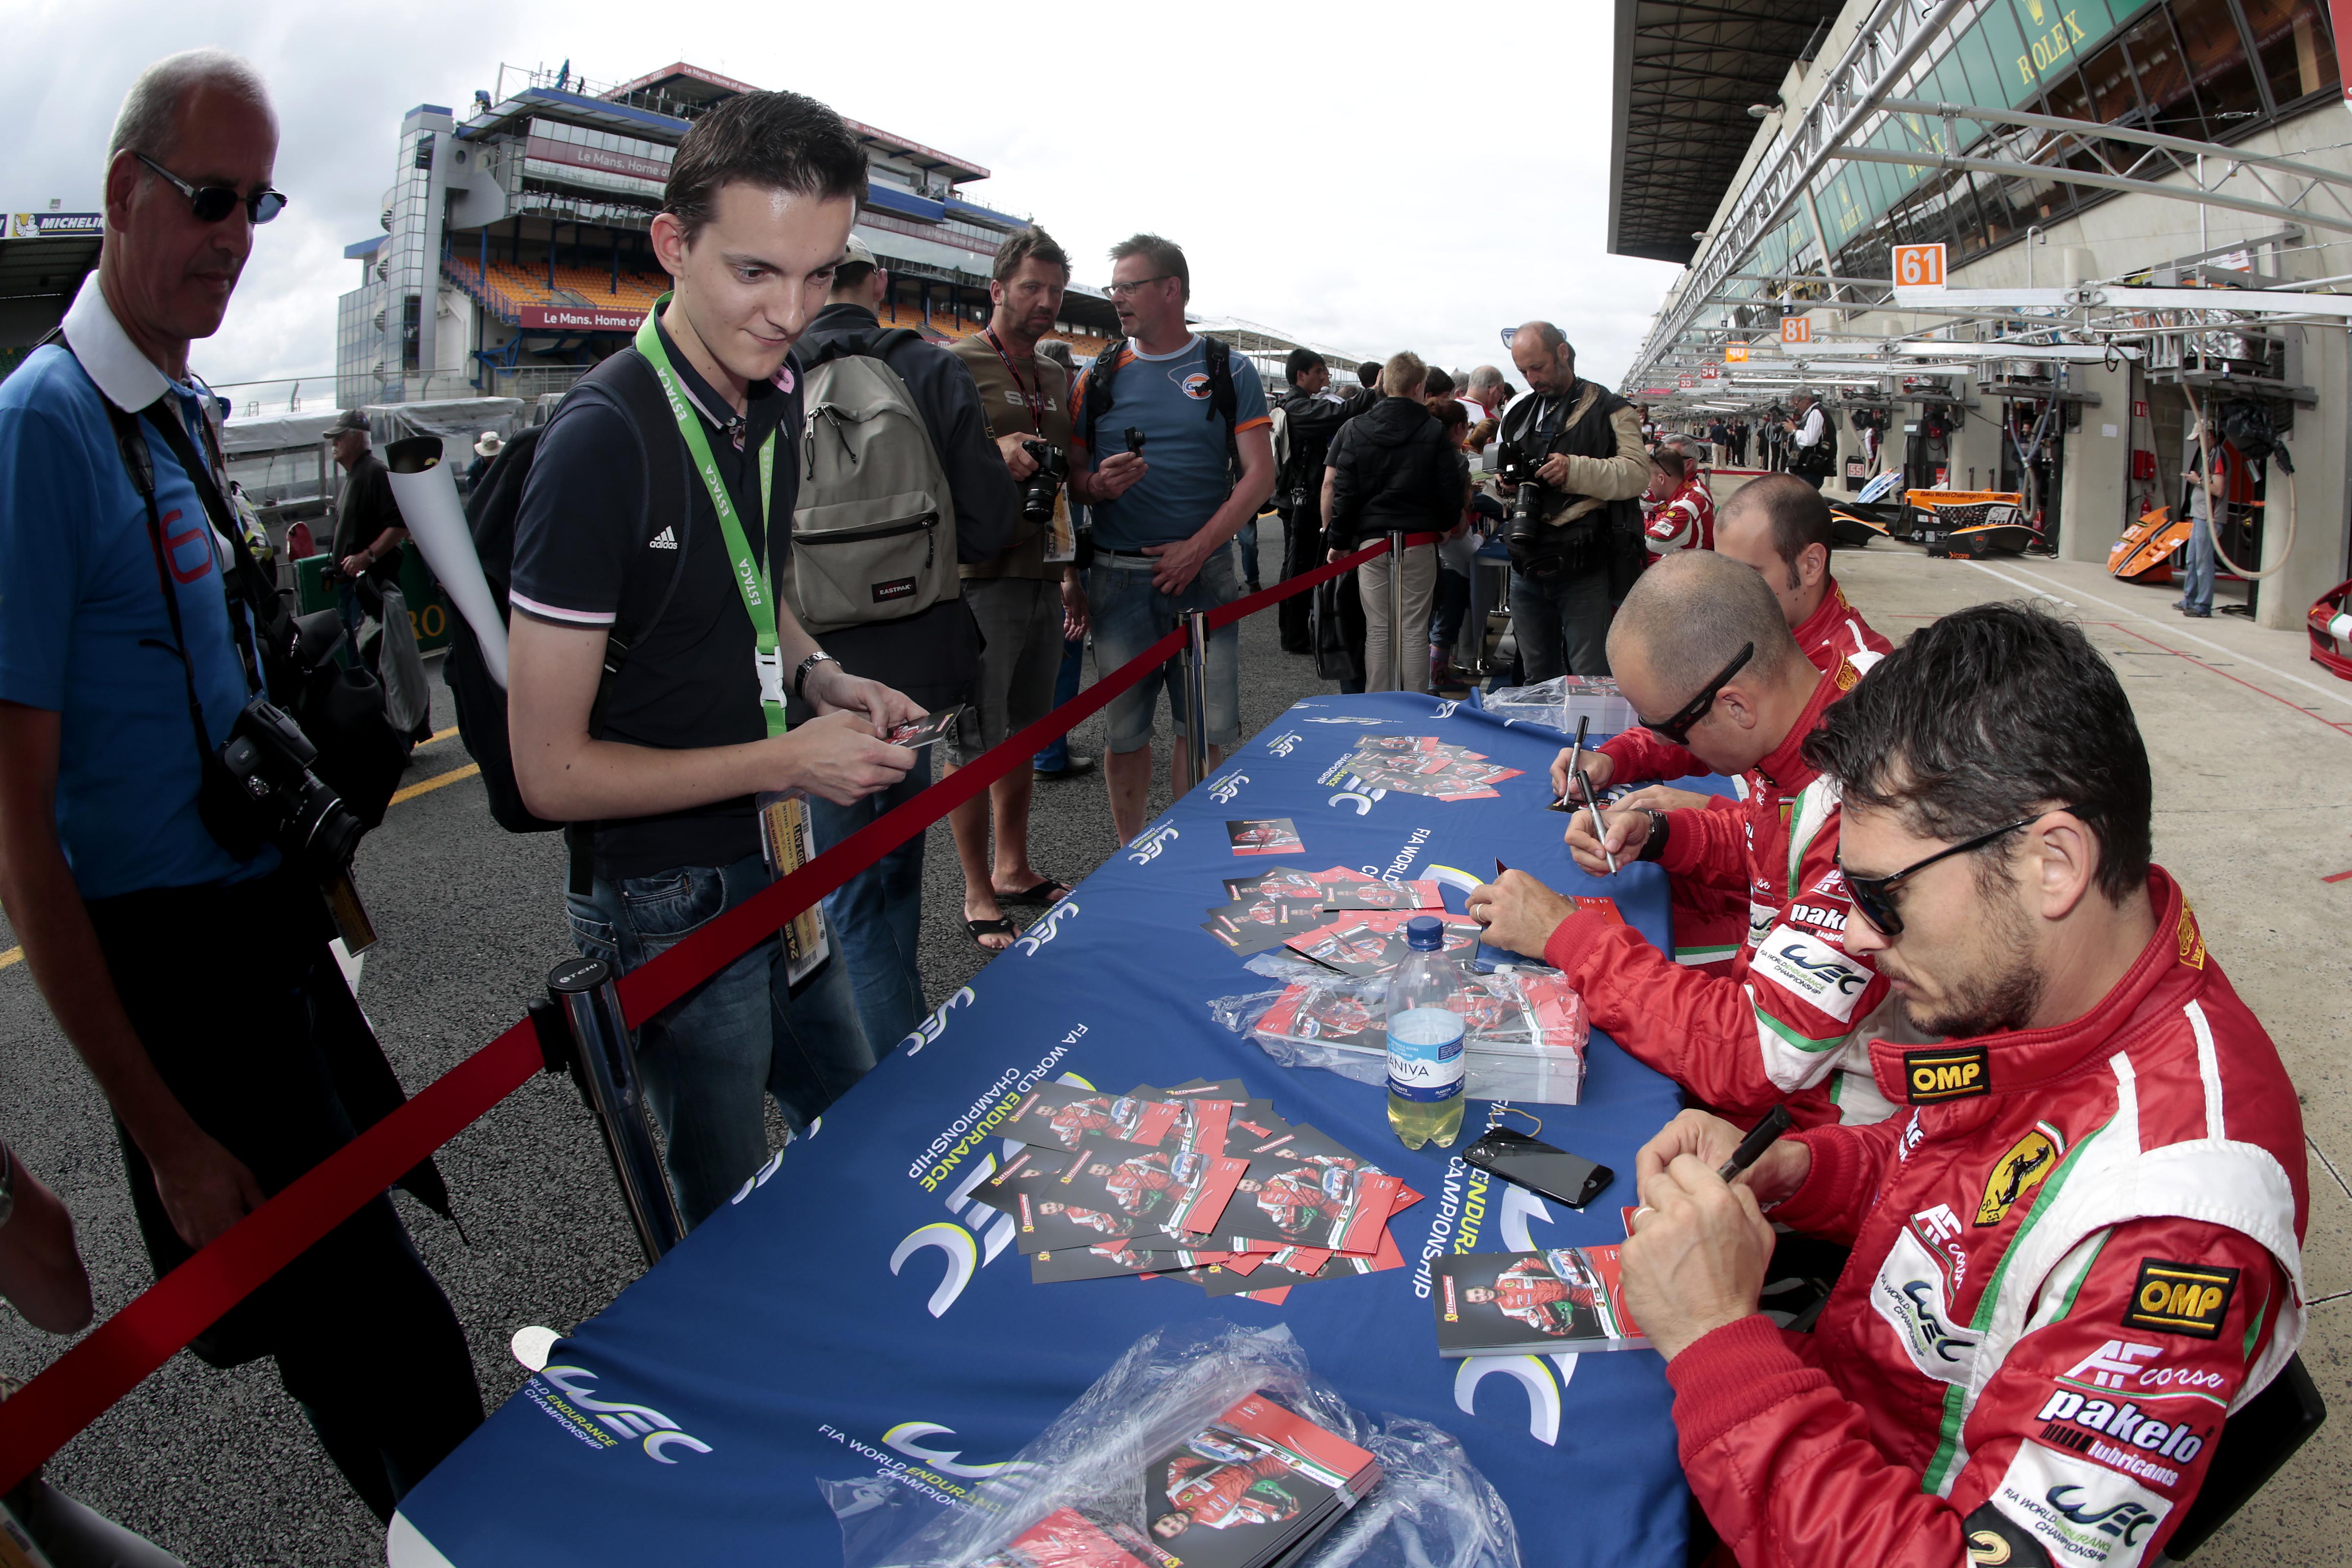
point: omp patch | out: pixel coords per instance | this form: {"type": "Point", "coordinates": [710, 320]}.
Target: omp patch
{"type": "Point", "coordinates": [1946, 1072]}
{"type": "Point", "coordinates": [2180, 1298]}
{"type": "Point", "coordinates": [2017, 1174]}
{"type": "Point", "coordinates": [2073, 1510]}
{"type": "Point", "coordinates": [1909, 1294]}
{"type": "Point", "coordinates": [1811, 970]}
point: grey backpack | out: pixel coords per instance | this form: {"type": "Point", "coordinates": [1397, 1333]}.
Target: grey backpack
{"type": "Point", "coordinates": [873, 534]}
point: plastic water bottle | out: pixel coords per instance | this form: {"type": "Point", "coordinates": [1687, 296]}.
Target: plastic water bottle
{"type": "Point", "coordinates": [1425, 1029]}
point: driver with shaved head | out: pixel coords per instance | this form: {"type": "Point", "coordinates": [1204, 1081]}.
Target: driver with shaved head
{"type": "Point", "coordinates": [1702, 651]}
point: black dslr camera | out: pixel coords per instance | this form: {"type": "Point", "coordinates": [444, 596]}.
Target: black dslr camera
{"type": "Point", "coordinates": [1039, 489]}
{"type": "Point", "coordinates": [1517, 469]}
{"type": "Point", "coordinates": [269, 757]}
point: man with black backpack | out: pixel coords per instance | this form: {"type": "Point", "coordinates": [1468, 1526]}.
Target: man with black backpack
{"type": "Point", "coordinates": [188, 965]}
{"type": "Point", "coordinates": [1163, 530]}
{"type": "Point", "coordinates": [1304, 423]}
{"type": "Point", "coordinates": [934, 656]}
{"type": "Point", "coordinates": [1395, 469]}
{"type": "Point", "coordinates": [653, 536]}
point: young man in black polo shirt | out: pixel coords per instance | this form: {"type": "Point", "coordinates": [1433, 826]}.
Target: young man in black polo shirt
{"type": "Point", "coordinates": [760, 198]}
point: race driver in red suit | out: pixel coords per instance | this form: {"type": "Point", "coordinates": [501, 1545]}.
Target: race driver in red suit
{"type": "Point", "coordinates": [1216, 1494]}
{"type": "Point", "coordinates": [1700, 640]}
{"type": "Point", "coordinates": [1780, 525]}
{"type": "Point", "coordinates": [2080, 1248]}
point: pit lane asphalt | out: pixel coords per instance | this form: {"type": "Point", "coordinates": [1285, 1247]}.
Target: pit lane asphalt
{"type": "Point", "coordinates": [219, 1467]}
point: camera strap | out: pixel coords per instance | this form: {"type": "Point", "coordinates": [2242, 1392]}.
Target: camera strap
{"type": "Point", "coordinates": [750, 571]}
{"type": "Point", "coordinates": [244, 576]}
{"type": "Point", "coordinates": [1034, 396]}
{"type": "Point", "coordinates": [140, 464]}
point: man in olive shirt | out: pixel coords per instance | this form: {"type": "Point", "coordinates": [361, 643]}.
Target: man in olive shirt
{"type": "Point", "coordinates": [368, 529]}
{"type": "Point", "coordinates": [1021, 597]}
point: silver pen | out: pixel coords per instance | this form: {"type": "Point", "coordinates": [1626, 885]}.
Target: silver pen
{"type": "Point", "coordinates": [1600, 829]}
{"type": "Point", "coordinates": [1576, 751]}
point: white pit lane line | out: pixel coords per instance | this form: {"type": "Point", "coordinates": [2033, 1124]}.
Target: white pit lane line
{"type": "Point", "coordinates": [2275, 673]}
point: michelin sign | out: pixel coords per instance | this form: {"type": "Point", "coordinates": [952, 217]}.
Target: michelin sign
{"type": "Point", "coordinates": [56, 226]}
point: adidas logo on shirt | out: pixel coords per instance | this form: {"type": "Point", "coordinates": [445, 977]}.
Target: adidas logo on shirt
{"type": "Point", "coordinates": [665, 540]}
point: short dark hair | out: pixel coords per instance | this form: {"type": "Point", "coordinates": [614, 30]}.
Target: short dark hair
{"type": "Point", "coordinates": [1030, 244]}
{"type": "Point", "coordinates": [1798, 513]}
{"type": "Point", "coordinates": [852, 275]}
{"type": "Point", "coordinates": [1440, 383]}
{"type": "Point", "coordinates": [1300, 362]}
{"type": "Point", "coordinates": [1165, 257]}
{"type": "Point", "coordinates": [1369, 372]}
{"type": "Point", "coordinates": [776, 140]}
{"type": "Point", "coordinates": [1989, 715]}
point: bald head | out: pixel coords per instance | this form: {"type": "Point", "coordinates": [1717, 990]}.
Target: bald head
{"type": "Point", "coordinates": [1543, 355]}
{"type": "Point", "coordinates": [1688, 615]}
{"type": "Point", "coordinates": [1780, 525]}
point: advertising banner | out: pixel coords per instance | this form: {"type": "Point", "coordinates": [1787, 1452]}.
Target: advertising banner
{"type": "Point", "coordinates": [546, 149]}
{"type": "Point", "coordinates": [578, 319]}
{"type": "Point", "coordinates": [57, 226]}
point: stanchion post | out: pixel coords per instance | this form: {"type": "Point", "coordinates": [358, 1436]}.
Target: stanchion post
{"type": "Point", "coordinates": [1396, 610]}
{"type": "Point", "coordinates": [1195, 658]}
{"type": "Point", "coordinates": [605, 1063]}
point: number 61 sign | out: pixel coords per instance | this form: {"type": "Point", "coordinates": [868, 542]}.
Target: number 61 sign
{"type": "Point", "coordinates": [1919, 267]}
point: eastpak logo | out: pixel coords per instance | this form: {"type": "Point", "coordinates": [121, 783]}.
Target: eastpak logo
{"type": "Point", "coordinates": [665, 540]}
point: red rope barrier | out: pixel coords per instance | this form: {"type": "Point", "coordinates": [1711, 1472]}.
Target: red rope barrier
{"type": "Point", "coordinates": [118, 1355]}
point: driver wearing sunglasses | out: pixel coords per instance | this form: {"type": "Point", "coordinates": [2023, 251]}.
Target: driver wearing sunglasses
{"type": "Point", "coordinates": [2079, 1250]}
{"type": "Point", "coordinates": [1702, 651]}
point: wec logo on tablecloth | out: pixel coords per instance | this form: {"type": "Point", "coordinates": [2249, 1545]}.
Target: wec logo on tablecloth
{"type": "Point", "coordinates": [1043, 930]}
{"type": "Point", "coordinates": [656, 1431]}
{"type": "Point", "coordinates": [1147, 848]}
{"type": "Point", "coordinates": [1282, 745]}
{"type": "Point", "coordinates": [1222, 790]}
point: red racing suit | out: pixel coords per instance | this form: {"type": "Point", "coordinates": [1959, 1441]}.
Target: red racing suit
{"type": "Point", "coordinates": [1684, 520]}
{"type": "Point", "coordinates": [1524, 1289]}
{"type": "Point", "coordinates": [2075, 1258]}
{"type": "Point", "coordinates": [1217, 1495]}
{"type": "Point", "coordinates": [1783, 1017]}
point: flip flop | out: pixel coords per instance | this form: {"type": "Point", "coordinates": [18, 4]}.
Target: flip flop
{"type": "Point", "coordinates": [1046, 892]}
{"type": "Point", "coordinates": [1001, 926]}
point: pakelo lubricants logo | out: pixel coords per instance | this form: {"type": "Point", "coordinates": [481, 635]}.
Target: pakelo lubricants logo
{"type": "Point", "coordinates": [1147, 848]}
{"type": "Point", "coordinates": [654, 1432]}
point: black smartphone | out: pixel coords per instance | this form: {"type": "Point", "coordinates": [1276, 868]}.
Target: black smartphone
{"type": "Point", "coordinates": [1567, 1178]}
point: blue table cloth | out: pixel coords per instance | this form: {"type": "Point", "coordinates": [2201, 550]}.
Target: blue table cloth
{"type": "Point", "coordinates": [855, 1309]}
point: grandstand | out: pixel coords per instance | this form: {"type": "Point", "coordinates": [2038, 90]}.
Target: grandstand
{"type": "Point", "coordinates": [525, 223]}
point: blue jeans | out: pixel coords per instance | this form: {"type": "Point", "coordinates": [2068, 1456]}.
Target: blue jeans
{"type": "Point", "coordinates": [1247, 540]}
{"type": "Point", "coordinates": [2197, 590]}
{"type": "Point", "coordinates": [878, 915]}
{"type": "Point", "coordinates": [1131, 615]}
{"type": "Point", "coordinates": [1453, 606]}
{"type": "Point", "coordinates": [708, 1057]}
{"type": "Point", "coordinates": [1056, 758]}
{"type": "Point", "coordinates": [1561, 624]}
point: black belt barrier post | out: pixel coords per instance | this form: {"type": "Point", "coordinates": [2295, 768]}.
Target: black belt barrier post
{"type": "Point", "coordinates": [1195, 658]}
{"type": "Point", "coordinates": [1396, 610]}
{"type": "Point", "coordinates": [605, 1063]}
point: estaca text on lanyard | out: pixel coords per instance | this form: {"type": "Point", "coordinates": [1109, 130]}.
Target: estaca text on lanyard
{"type": "Point", "coordinates": [784, 835]}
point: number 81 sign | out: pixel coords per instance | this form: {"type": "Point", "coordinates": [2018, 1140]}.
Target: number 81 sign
{"type": "Point", "coordinates": [1919, 267]}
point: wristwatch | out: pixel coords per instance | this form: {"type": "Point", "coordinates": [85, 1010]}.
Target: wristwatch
{"type": "Point", "coordinates": [1655, 846]}
{"type": "Point", "coordinates": [801, 674]}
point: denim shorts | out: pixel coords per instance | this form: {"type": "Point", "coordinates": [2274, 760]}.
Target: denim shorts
{"type": "Point", "coordinates": [1130, 615]}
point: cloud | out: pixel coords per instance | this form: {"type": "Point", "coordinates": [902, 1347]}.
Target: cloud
{"type": "Point", "coordinates": [1390, 178]}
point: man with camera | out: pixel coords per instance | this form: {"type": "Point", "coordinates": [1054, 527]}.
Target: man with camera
{"type": "Point", "coordinates": [1812, 451]}
{"type": "Point", "coordinates": [667, 772]}
{"type": "Point", "coordinates": [175, 926]}
{"type": "Point", "coordinates": [369, 531]}
{"type": "Point", "coordinates": [1163, 526]}
{"type": "Point", "coordinates": [1029, 592]}
{"type": "Point", "coordinates": [1573, 468]}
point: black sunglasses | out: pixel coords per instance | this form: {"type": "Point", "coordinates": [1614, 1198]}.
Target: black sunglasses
{"type": "Point", "coordinates": [212, 202]}
{"type": "Point", "coordinates": [1870, 894]}
{"type": "Point", "coordinates": [1678, 728]}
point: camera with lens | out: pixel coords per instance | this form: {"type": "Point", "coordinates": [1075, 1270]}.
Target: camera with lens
{"type": "Point", "coordinates": [1517, 472]}
{"type": "Point", "coordinates": [270, 759]}
{"type": "Point", "coordinates": [1039, 490]}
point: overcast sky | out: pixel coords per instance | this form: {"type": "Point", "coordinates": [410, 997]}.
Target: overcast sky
{"type": "Point", "coordinates": [1463, 189]}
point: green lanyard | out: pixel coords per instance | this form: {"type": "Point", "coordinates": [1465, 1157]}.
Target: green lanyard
{"type": "Point", "coordinates": [750, 571]}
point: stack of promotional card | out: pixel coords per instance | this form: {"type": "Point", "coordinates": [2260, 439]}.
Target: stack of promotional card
{"type": "Point", "coordinates": [1199, 1182]}
{"type": "Point", "coordinates": [1509, 1303]}
{"type": "Point", "coordinates": [1264, 835]}
{"type": "Point", "coordinates": [1267, 910]}
{"type": "Point", "coordinates": [1256, 1488]}
{"type": "Point", "coordinates": [1425, 765]}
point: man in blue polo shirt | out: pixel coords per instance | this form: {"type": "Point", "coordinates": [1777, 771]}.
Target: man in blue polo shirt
{"type": "Point", "coordinates": [196, 987]}
{"type": "Point", "coordinates": [1163, 526]}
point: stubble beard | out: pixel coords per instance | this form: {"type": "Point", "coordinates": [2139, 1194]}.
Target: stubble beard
{"type": "Point", "coordinates": [2004, 995]}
